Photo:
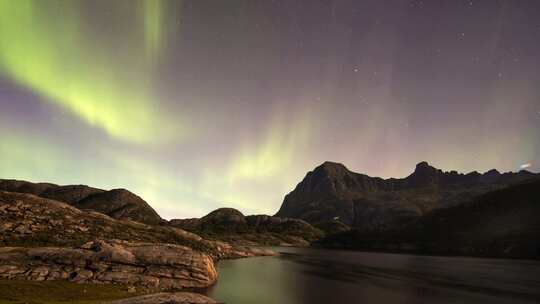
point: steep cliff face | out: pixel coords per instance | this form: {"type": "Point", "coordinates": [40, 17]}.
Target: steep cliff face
{"type": "Point", "coordinates": [116, 203]}
{"type": "Point", "coordinates": [333, 193]}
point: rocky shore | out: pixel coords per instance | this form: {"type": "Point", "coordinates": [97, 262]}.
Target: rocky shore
{"type": "Point", "coordinates": [47, 240]}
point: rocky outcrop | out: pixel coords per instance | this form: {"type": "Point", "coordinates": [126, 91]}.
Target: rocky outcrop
{"type": "Point", "coordinates": [332, 192]}
{"type": "Point", "coordinates": [232, 226]}
{"type": "Point", "coordinates": [167, 298]}
{"type": "Point", "coordinates": [117, 203]}
{"type": "Point", "coordinates": [30, 221]}
{"type": "Point", "coordinates": [120, 204]}
{"type": "Point", "coordinates": [223, 219]}
{"type": "Point", "coordinates": [71, 194]}
{"type": "Point", "coordinates": [147, 265]}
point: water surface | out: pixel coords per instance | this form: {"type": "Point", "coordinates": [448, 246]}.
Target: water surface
{"type": "Point", "coordinates": [305, 275]}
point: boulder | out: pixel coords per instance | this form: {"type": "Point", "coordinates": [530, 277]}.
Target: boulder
{"type": "Point", "coordinates": [148, 265]}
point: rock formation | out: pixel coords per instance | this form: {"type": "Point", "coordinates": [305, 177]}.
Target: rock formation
{"type": "Point", "coordinates": [30, 221]}
{"type": "Point", "coordinates": [333, 193]}
{"type": "Point", "coordinates": [232, 226]}
{"type": "Point", "coordinates": [149, 265]}
{"type": "Point", "coordinates": [117, 203]}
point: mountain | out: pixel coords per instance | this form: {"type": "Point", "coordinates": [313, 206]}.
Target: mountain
{"type": "Point", "coordinates": [232, 226]}
{"type": "Point", "coordinates": [117, 203]}
{"type": "Point", "coordinates": [500, 223]}
{"type": "Point", "coordinates": [331, 192]}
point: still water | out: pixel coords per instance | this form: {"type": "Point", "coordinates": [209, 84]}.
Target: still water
{"type": "Point", "coordinates": [313, 276]}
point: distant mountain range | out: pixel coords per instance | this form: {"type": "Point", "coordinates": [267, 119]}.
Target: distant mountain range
{"type": "Point", "coordinates": [331, 192]}
{"type": "Point", "coordinates": [430, 211]}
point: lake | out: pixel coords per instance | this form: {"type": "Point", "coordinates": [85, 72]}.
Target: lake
{"type": "Point", "coordinates": [305, 275]}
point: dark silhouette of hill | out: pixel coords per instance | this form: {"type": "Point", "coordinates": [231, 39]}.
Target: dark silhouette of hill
{"type": "Point", "coordinates": [501, 223]}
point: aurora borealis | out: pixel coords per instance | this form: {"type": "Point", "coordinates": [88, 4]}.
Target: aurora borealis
{"type": "Point", "coordinates": [199, 104]}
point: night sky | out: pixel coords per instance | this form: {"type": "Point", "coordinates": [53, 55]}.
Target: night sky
{"type": "Point", "coordinates": [196, 105]}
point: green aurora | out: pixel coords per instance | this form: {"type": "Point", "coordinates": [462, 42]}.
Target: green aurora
{"type": "Point", "coordinates": [196, 105]}
{"type": "Point", "coordinates": [56, 57]}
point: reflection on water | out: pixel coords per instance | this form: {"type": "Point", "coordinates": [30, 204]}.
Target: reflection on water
{"type": "Point", "coordinates": [303, 275]}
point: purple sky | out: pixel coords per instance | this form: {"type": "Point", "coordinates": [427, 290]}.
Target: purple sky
{"type": "Point", "coordinates": [196, 105]}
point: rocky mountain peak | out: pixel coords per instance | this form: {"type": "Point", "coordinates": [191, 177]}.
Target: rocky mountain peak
{"type": "Point", "coordinates": [424, 174]}
{"type": "Point", "coordinates": [331, 169]}
{"type": "Point", "coordinates": [424, 168]}
{"type": "Point", "coordinates": [328, 177]}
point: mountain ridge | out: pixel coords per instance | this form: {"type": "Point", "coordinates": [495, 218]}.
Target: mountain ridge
{"type": "Point", "coordinates": [331, 191]}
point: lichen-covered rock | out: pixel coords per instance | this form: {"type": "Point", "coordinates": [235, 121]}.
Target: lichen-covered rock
{"type": "Point", "coordinates": [30, 221]}
{"type": "Point", "coordinates": [149, 265]}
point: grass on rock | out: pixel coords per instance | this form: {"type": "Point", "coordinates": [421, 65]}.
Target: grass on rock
{"type": "Point", "coordinates": [59, 292]}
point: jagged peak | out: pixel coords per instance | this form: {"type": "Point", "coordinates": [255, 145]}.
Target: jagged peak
{"type": "Point", "coordinates": [424, 166]}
